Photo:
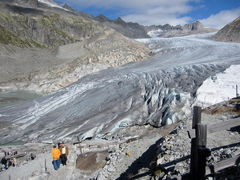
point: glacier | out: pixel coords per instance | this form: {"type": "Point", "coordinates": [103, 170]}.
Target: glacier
{"type": "Point", "coordinates": [157, 91]}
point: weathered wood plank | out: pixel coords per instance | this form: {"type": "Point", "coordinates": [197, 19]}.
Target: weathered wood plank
{"type": "Point", "coordinates": [202, 135]}
{"type": "Point", "coordinates": [194, 158]}
{"type": "Point", "coordinates": [223, 164]}
{"type": "Point", "coordinates": [196, 116]}
{"type": "Point", "coordinates": [226, 125]}
{"type": "Point", "coordinates": [196, 122]}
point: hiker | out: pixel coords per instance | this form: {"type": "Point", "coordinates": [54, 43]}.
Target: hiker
{"type": "Point", "coordinates": [32, 156]}
{"type": "Point", "coordinates": [8, 161]}
{"type": "Point", "coordinates": [13, 162]}
{"type": "Point", "coordinates": [64, 153]}
{"type": "Point", "coordinates": [4, 161]}
{"type": "Point", "coordinates": [56, 157]}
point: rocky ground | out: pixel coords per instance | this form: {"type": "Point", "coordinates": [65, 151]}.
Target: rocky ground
{"type": "Point", "coordinates": [129, 151]}
{"type": "Point", "coordinates": [173, 153]}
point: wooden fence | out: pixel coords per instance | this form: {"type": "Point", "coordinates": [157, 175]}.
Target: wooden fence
{"type": "Point", "coordinates": [199, 150]}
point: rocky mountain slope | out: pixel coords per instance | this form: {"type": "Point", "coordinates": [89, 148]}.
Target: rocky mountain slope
{"type": "Point", "coordinates": [129, 29]}
{"type": "Point", "coordinates": [230, 32]}
{"type": "Point", "coordinates": [43, 27]}
{"type": "Point", "coordinates": [46, 47]}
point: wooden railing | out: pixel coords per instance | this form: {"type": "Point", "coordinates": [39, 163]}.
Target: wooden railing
{"type": "Point", "coordinates": [199, 151]}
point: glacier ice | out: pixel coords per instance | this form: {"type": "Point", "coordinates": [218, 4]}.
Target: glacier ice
{"type": "Point", "coordinates": [220, 87]}
{"type": "Point", "coordinates": [157, 91]}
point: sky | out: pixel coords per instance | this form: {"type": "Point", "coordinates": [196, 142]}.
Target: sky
{"type": "Point", "coordinates": [212, 13]}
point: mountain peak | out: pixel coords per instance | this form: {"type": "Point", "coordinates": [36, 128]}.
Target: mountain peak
{"type": "Point", "coordinates": [193, 26]}
{"type": "Point", "coordinates": [120, 20]}
{"type": "Point", "coordinates": [101, 18]}
{"type": "Point", "coordinates": [66, 6]}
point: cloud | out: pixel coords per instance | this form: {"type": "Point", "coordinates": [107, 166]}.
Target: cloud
{"type": "Point", "coordinates": [145, 12]}
{"type": "Point", "coordinates": [161, 15]}
{"type": "Point", "coordinates": [133, 4]}
{"type": "Point", "coordinates": [156, 19]}
{"type": "Point", "coordinates": [148, 12]}
{"type": "Point", "coordinates": [221, 19]}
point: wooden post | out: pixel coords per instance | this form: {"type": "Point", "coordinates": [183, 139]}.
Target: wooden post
{"type": "Point", "coordinates": [45, 165]}
{"type": "Point", "coordinates": [194, 143]}
{"type": "Point", "coordinates": [81, 151]}
{"type": "Point", "coordinates": [194, 156]}
{"type": "Point", "coordinates": [196, 116]}
{"type": "Point", "coordinates": [202, 150]}
{"type": "Point", "coordinates": [201, 135]}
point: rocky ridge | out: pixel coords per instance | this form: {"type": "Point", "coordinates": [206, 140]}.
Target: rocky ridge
{"type": "Point", "coordinates": [129, 29]}
{"type": "Point", "coordinates": [230, 32]}
{"type": "Point", "coordinates": [174, 31]}
{"type": "Point", "coordinates": [135, 30]}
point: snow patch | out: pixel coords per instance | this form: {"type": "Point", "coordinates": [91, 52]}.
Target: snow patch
{"type": "Point", "coordinates": [154, 33]}
{"type": "Point", "coordinates": [219, 88]}
{"type": "Point", "coordinates": [51, 4]}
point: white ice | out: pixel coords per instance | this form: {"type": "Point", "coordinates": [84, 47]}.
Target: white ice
{"type": "Point", "coordinates": [219, 88]}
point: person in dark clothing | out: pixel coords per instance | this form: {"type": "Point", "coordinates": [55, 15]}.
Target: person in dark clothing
{"type": "Point", "coordinates": [32, 156]}
{"type": "Point", "coordinates": [4, 162]}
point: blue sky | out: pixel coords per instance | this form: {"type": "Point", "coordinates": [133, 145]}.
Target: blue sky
{"type": "Point", "coordinates": [213, 13]}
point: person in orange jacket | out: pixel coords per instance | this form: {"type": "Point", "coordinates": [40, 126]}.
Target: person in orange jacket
{"type": "Point", "coordinates": [56, 157]}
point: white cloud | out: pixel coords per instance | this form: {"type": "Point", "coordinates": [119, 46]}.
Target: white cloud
{"type": "Point", "coordinates": [161, 15]}
{"type": "Point", "coordinates": [156, 19]}
{"type": "Point", "coordinates": [133, 4]}
{"type": "Point", "coordinates": [145, 12]}
{"type": "Point", "coordinates": [221, 19]}
{"type": "Point", "coordinates": [148, 12]}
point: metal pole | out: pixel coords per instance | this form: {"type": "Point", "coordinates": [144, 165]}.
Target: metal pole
{"type": "Point", "coordinates": [237, 91]}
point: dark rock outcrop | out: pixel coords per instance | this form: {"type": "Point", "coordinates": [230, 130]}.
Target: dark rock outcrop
{"type": "Point", "coordinates": [230, 32]}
